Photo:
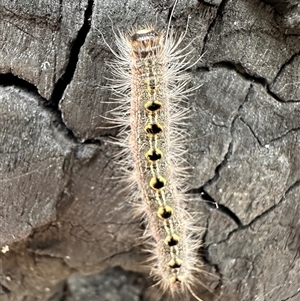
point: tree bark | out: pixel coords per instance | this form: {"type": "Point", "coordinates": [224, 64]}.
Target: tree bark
{"type": "Point", "coordinates": [62, 208]}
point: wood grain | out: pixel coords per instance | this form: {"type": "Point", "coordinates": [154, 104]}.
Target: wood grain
{"type": "Point", "coordinates": [62, 208]}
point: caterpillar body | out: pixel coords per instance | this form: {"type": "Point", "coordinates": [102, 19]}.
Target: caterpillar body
{"type": "Point", "coordinates": [150, 84]}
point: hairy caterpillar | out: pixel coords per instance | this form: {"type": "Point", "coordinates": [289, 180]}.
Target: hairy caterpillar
{"type": "Point", "coordinates": [150, 82]}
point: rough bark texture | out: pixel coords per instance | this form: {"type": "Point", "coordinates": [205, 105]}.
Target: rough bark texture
{"type": "Point", "coordinates": [62, 209]}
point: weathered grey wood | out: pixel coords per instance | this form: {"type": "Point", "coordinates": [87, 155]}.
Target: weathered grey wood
{"type": "Point", "coordinates": [36, 38]}
{"type": "Point", "coordinates": [289, 11]}
{"type": "Point", "coordinates": [287, 84]}
{"type": "Point", "coordinates": [62, 208]}
{"type": "Point", "coordinates": [33, 154]}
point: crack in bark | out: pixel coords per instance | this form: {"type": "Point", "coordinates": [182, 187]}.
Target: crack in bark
{"type": "Point", "coordinates": [284, 65]}
{"type": "Point", "coordinates": [4, 289]}
{"type": "Point", "coordinates": [282, 69]}
{"type": "Point", "coordinates": [9, 79]}
{"type": "Point", "coordinates": [239, 69]}
{"type": "Point", "coordinates": [230, 146]}
{"type": "Point", "coordinates": [68, 75]}
{"type": "Point", "coordinates": [65, 293]}
{"type": "Point", "coordinates": [262, 215]}
{"type": "Point", "coordinates": [284, 135]}
{"type": "Point", "coordinates": [79, 41]}
{"type": "Point", "coordinates": [272, 140]}
{"type": "Point", "coordinates": [252, 131]}
{"type": "Point", "coordinates": [226, 210]}
{"type": "Point", "coordinates": [202, 190]}
{"type": "Point", "coordinates": [292, 296]}
{"type": "Point", "coordinates": [212, 25]}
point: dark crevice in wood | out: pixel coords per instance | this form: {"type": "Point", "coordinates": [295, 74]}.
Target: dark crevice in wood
{"type": "Point", "coordinates": [260, 143]}
{"type": "Point", "coordinates": [212, 25]}
{"type": "Point", "coordinates": [262, 215]}
{"type": "Point", "coordinates": [288, 62]}
{"type": "Point", "coordinates": [65, 294]}
{"type": "Point", "coordinates": [202, 191]}
{"type": "Point", "coordinates": [255, 79]}
{"type": "Point", "coordinates": [289, 189]}
{"type": "Point", "coordinates": [170, 14]}
{"type": "Point", "coordinates": [292, 297]}
{"type": "Point", "coordinates": [239, 68]}
{"type": "Point", "coordinates": [9, 79]}
{"type": "Point", "coordinates": [281, 7]}
{"type": "Point", "coordinates": [284, 135]}
{"type": "Point", "coordinates": [212, 203]}
{"type": "Point", "coordinates": [284, 65]}
{"type": "Point", "coordinates": [67, 77]}
{"type": "Point", "coordinates": [4, 289]}
{"type": "Point", "coordinates": [208, 3]}
{"type": "Point", "coordinates": [222, 164]}
{"type": "Point", "coordinates": [275, 96]}
{"type": "Point", "coordinates": [93, 141]}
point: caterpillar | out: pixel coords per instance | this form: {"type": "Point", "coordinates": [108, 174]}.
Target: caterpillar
{"type": "Point", "coordinates": [150, 84]}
